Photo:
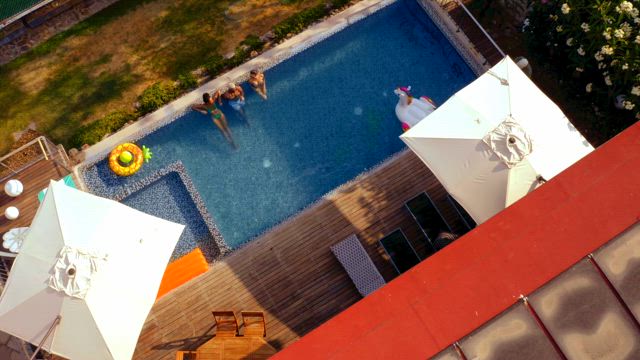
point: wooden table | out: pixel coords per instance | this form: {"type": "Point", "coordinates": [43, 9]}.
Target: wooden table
{"type": "Point", "coordinates": [235, 348]}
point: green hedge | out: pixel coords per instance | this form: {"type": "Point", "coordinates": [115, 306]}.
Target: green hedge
{"type": "Point", "coordinates": [95, 131]}
{"type": "Point", "coordinates": [217, 63]}
{"type": "Point", "coordinates": [157, 95]}
{"type": "Point", "coordinates": [187, 81]}
{"type": "Point", "coordinates": [337, 4]}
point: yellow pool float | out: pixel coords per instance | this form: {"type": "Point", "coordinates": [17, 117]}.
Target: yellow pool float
{"type": "Point", "coordinates": [126, 159]}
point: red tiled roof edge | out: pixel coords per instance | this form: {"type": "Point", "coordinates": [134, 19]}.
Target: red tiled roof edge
{"type": "Point", "coordinates": [452, 293]}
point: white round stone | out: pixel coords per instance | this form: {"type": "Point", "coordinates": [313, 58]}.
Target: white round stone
{"type": "Point", "coordinates": [11, 213]}
{"type": "Point", "coordinates": [13, 188]}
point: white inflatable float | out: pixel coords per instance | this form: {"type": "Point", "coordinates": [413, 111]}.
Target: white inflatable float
{"type": "Point", "coordinates": [410, 110]}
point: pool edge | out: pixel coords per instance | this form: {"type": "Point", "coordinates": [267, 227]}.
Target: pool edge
{"type": "Point", "coordinates": [283, 51]}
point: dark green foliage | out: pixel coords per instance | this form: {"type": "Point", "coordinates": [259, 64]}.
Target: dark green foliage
{"type": "Point", "coordinates": [298, 22]}
{"type": "Point", "coordinates": [157, 95]}
{"type": "Point", "coordinates": [215, 65]}
{"type": "Point", "coordinates": [241, 54]}
{"type": "Point", "coordinates": [337, 4]}
{"type": "Point", "coordinates": [252, 42]}
{"type": "Point", "coordinates": [187, 81]}
{"type": "Point", "coordinates": [93, 132]}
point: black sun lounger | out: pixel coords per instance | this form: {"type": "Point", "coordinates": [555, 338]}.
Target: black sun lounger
{"type": "Point", "coordinates": [467, 220]}
{"type": "Point", "coordinates": [402, 255]}
{"type": "Point", "coordinates": [428, 217]}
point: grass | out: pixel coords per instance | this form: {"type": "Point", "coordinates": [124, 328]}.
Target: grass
{"type": "Point", "coordinates": [104, 63]}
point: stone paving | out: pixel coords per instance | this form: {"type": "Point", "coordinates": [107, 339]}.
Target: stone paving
{"type": "Point", "coordinates": [31, 37]}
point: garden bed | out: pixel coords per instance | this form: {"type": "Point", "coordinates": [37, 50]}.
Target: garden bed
{"type": "Point", "coordinates": [596, 117]}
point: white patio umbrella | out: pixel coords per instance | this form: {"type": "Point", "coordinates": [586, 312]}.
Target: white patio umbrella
{"type": "Point", "coordinates": [496, 140]}
{"type": "Point", "coordinates": [95, 263]}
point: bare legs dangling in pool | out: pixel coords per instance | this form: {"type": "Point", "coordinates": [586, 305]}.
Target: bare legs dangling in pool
{"type": "Point", "coordinates": [222, 124]}
{"type": "Point", "coordinates": [209, 108]}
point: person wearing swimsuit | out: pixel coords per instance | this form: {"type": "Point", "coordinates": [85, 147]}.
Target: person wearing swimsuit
{"type": "Point", "coordinates": [235, 96]}
{"type": "Point", "coordinates": [258, 83]}
{"type": "Point", "coordinates": [209, 108]}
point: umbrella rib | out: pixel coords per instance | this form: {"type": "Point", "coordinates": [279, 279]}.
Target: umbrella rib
{"type": "Point", "coordinates": [504, 82]}
{"type": "Point", "coordinates": [55, 205]}
{"type": "Point", "coordinates": [52, 329]}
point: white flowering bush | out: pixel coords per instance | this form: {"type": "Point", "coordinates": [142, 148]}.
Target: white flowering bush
{"type": "Point", "coordinates": [597, 41]}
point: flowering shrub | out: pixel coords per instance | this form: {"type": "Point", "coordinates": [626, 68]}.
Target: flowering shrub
{"type": "Point", "coordinates": [597, 40]}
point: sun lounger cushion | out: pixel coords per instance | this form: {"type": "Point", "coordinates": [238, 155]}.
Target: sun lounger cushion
{"type": "Point", "coordinates": [358, 265]}
{"type": "Point", "coordinates": [182, 270]}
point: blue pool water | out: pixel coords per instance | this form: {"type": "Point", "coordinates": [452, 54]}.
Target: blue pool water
{"type": "Point", "coordinates": [329, 117]}
{"type": "Point", "coordinates": [168, 198]}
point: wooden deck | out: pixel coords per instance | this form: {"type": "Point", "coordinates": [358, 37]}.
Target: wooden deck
{"type": "Point", "coordinates": [34, 178]}
{"type": "Point", "coordinates": [290, 273]}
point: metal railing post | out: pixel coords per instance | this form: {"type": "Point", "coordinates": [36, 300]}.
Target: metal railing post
{"type": "Point", "coordinates": [44, 152]}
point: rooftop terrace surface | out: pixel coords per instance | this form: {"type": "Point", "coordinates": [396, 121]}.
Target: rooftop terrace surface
{"type": "Point", "coordinates": [290, 273]}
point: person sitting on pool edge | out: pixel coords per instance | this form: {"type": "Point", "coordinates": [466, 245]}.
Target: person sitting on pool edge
{"type": "Point", "coordinates": [258, 83]}
{"type": "Point", "coordinates": [209, 108]}
{"type": "Point", "coordinates": [235, 96]}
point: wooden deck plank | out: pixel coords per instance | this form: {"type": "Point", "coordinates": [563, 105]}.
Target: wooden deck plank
{"type": "Point", "coordinates": [34, 179]}
{"type": "Point", "coordinates": [290, 273]}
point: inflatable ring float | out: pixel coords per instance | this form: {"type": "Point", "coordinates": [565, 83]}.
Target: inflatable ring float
{"type": "Point", "coordinates": [126, 159]}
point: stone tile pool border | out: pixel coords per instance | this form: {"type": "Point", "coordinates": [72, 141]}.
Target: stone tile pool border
{"type": "Point", "coordinates": [285, 50]}
{"type": "Point", "coordinates": [178, 167]}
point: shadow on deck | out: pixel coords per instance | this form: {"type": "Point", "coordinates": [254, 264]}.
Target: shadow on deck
{"type": "Point", "coordinates": [290, 273]}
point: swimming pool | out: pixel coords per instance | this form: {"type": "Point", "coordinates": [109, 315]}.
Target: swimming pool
{"type": "Point", "coordinates": [329, 117]}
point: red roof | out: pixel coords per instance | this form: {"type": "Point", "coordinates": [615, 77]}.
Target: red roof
{"type": "Point", "coordinates": [469, 282]}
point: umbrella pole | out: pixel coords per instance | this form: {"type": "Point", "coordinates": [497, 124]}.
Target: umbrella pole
{"type": "Point", "coordinates": [56, 321]}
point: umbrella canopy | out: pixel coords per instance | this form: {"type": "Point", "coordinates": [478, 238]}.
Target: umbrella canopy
{"type": "Point", "coordinates": [94, 262]}
{"type": "Point", "coordinates": [496, 140]}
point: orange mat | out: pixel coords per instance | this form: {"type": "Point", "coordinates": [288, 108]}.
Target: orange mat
{"type": "Point", "coordinates": [182, 270]}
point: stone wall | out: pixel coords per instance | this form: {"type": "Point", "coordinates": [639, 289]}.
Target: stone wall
{"type": "Point", "coordinates": [49, 20]}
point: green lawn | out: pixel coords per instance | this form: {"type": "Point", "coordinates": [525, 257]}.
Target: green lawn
{"type": "Point", "coordinates": [105, 62]}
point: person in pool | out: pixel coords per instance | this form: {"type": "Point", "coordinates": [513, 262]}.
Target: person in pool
{"type": "Point", "coordinates": [258, 83]}
{"type": "Point", "coordinates": [235, 96]}
{"type": "Point", "coordinates": [209, 108]}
